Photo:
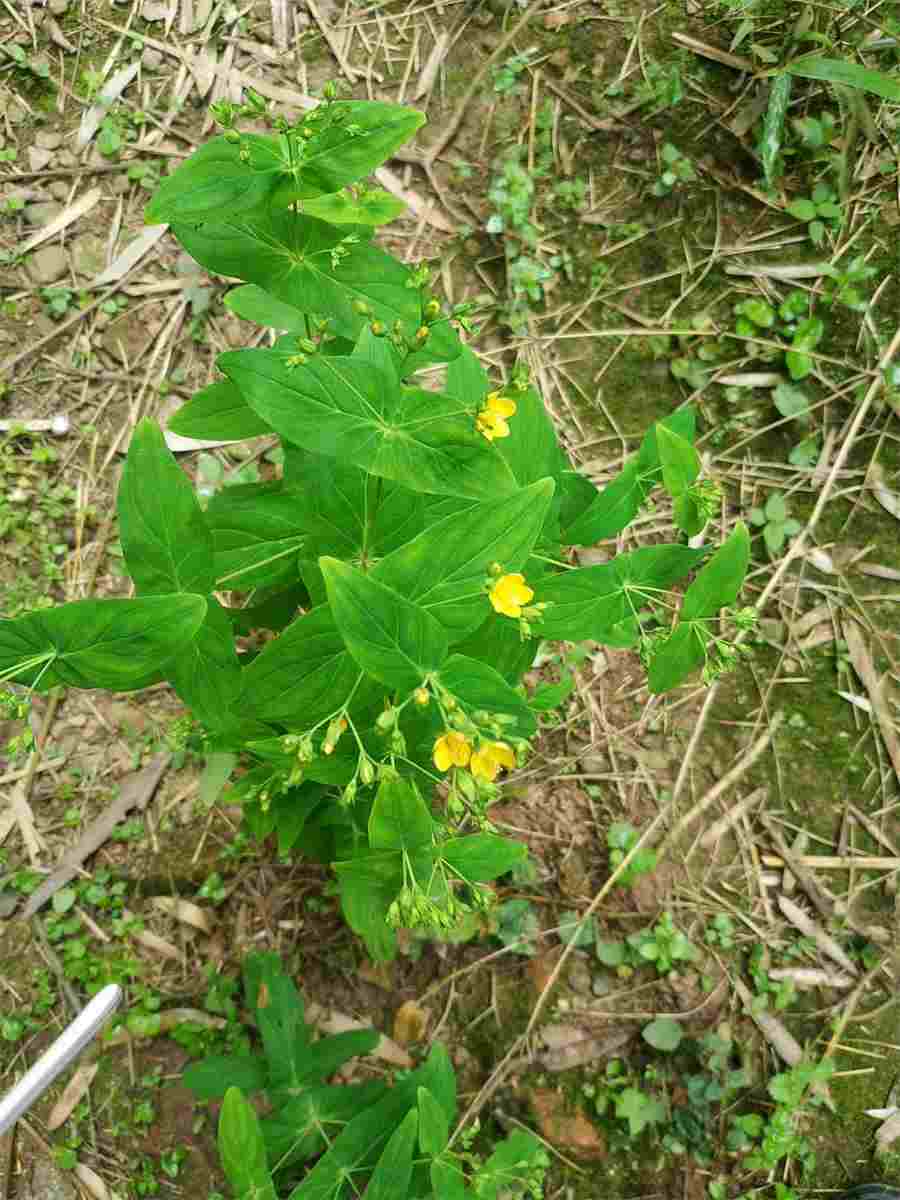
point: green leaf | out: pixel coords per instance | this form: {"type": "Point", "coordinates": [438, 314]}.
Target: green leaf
{"type": "Point", "coordinates": [798, 365]}
{"type": "Point", "coordinates": [509, 1165]}
{"type": "Point", "coordinates": [790, 401]}
{"type": "Point", "coordinates": [776, 508]}
{"type": "Point", "coordinates": [120, 645]}
{"type": "Point", "coordinates": [400, 819]}
{"type": "Point", "coordinates": [614, 507]}
{"type": "Point", "coordinates": [611, 954]}
{"type": "Point", "coordinates": [481, 857]}
{"type": "Point", "coordinates": [375, 207]}
{"type": "Point", "coordinates": [803, 210]}
{"type": "Point", "coordinates": [207, 674]}
{"type": "Point", "coordinates": [393, 1172]}
{"type": "Point", "coordinates": [368, 885]}
{"type": "Point", "coordinates": [392, 639]}
{"type": "Point", "coordinates": [242, 1149]}
{"type": "Point", "coordinates": [361, 135]}
{"type": "Point", "coordinates": [165, 541]}
{"type": "Point", "coordinates": [358, 1146]}
{"type": "Point", "coordinates": [303, 676]}
{"type": "Point", "coordinates": [683, 651]}
{"type": "Point", "coordinates": [688, 515]}
{"type": "Point", "coordinates": [349, 513]}
{"type": "Point", "coordinates": [577, 494]}
{"type": "Point", "coordinates": [838, 70]}
{"type": "Point", "coordinates": [290, 258]}
{"type": "Point", "coordinates": [434, 1125]}
{"type": "Point", "coordinates": [639, 1109]}
{"type": "Point", "coordinates": [346, 408]}
{"type": "Point", "coordinates": [548, 696]}
{"type": "Point", "coordinates": [680, 462]}
{"type": "Point", "coordinates": [574, 930]}
{"type": "Point", "coordinates": [216, 181]}
{"type": "Point", "coordinates": [589, 602]}
{"type": "Point", "coordinates": [719, 582]}
{"type": "Point", "coordinates": [774, 536]}
{"type": "Point", "coordinates": [253, 303]}
{"type": "Point", "coordinates": [663, 1034]}
{"type": "Point", "coordinates": [475, 685]}
{"type": "Point", "coordinates": [619, 502]}
{"type": "Point", "coordinates": [218, 412]}
{"type": "Point", "coordinates": [257, 535]}
{"type": "Point", "coordinates": [532, 449]}
{"type": "Point", "coordinates": [773, 126]}
{"type": "Point", "coordinates": [498, 643]}
{"type": "Point", "coordinates": [212, 1076]}
{"type": "Point", "coordinates": [445, 567]}
{"type": "Point", "coordinates": [448, 1180]}
{"type": "Point", "coordinates": [304, 1126]}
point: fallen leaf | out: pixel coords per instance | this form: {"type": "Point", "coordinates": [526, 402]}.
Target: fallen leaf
{"type": "Point", "coordinates": [74, 1090]}
{"type": "Point", "coordinates": [888, 500]}
{"type": "Point", "coordinates": [112, 90]}
{"type": "Point", "coordinates": [564, 1126]}
{"type": "Point", "coordinates": [91, 1182]}
{"type": "Point", "coordinates": [410, 1023]}
{"type": "Point", "coordinates": [73, 213]}
{"type": "Point", "coordinates": [132, 254]}
{"type": "Point", "coordinates": [184, 911]}
{"type": "Point", "coordinates": [334, 1022]}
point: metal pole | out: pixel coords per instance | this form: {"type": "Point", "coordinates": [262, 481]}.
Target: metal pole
{"type": "Point", "coordinates": [64, 1051]}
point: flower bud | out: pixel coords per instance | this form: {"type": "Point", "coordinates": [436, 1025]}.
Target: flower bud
{"type": "Point", "coordinates": [232, 135]}
{"type": "Point", "coordinates": [366, 770]}
{"type": "Point", "coordinates": [422, 334]}
{"type": "Point", "coordinates": [432, 309]}
{"type": "Point", "coordinates": [386, 720]}
{"type": "Point", "coordinates": [421, 696]}
{"type": "Point", "coordinates": [378, 328]}
{"type": "Point", "coordinates": [495, 569]}
{"type": "Point", "coordinates": [360, 306]}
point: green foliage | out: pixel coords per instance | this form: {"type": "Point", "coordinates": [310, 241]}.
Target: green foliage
{"type": "Point", "coordinates": [406, 558]}
{"type": "Point", "coordinates": [621, 839]}
{"type": "Point", "coordinates": [677, 169]}
{"type": "Point", "coordinates": [393, 1142]}
{"type": "Point", "coordinates": [820, 211]}
{"type": "Point", "coordinates": [776, 523]}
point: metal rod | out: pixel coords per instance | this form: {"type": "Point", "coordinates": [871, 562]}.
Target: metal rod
{"type": "Point", "coordinates": [64, 1051]}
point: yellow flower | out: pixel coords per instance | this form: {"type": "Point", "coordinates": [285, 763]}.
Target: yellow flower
{"type": "Point", "coordinates": [499, 405]}
{"type": "Point", "coordinates": [491, 421]}
{"type": "Point", "coordinates": [451, 750]}
{"type": "Point", "coordinates": [509, 593]}
{"type": "Point", "coordinates": [490, 758]}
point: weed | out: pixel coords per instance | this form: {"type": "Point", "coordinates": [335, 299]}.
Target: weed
{"type": "Point", "coordinates": [677, 170]}
{"type": "Point", "coordinates": [821, 211]}
{"type": "Point", "coordinates": [620, 840]}
{"type": "Point", "coordinates": [776, 523]}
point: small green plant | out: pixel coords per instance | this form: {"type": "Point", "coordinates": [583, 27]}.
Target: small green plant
{"type": "Point", "coordinates": [677, 170]}
{"type": "Point", "coordinates": [391, 1142]}
{"type": "Point", "coordinates": [506, 77]}
{"type": "Point", "coordinates": [776, 523]}
{"type": "Point", "coordinates": [620, 840]}
{"type": "Point", "coordinates": [661, 945]}
{"type": "Point", "coordinates": [768, 1141]}
{"type": "Point", "coordinates": [57, 301]}
{"type": "Point", "coordinates": [821, 211]}
{"type": "Point", "coordinates": [20, 60]}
